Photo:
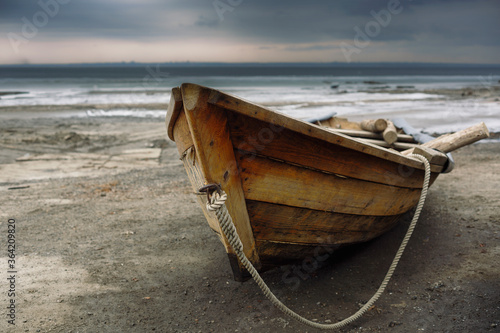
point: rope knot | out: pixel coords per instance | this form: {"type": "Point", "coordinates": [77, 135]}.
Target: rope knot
{"type": "Point", "coordinates": [216, 201]}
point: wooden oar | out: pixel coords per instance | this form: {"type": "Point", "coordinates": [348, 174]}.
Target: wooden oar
{"type": "Point", "coordinates": [395, 145]}
{"type": "Point", "coordinates": [369, 135]}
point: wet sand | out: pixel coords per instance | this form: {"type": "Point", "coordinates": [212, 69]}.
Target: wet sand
{"type": "Point", "coordinates": [109, 238]}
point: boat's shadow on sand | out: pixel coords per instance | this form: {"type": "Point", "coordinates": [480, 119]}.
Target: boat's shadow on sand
{"type": "Point", "coordinates": [371, 258]}
{"type": "Point", "coordinates": [347, 278]}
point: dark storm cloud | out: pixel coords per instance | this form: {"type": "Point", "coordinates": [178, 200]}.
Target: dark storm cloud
{"type": "Point", "coordinates": [319, 21]}
{"type": "Point", "coordinates": [459, 22]}
{"type": "Point", "coordinates": [99, 19]}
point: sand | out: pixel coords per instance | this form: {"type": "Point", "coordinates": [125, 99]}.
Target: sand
{"type": "Point", "coordinates": [109, 238]}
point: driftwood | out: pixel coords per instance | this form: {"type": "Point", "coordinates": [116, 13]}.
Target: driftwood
{"type": "Point", "coordinates": [449, 142]}
{"type": "Point", "coordinates": [390, 135]}
{"type": "Point", "coordinates": [374, 125]}
{"type": "Point", "coordinates": [386, 127]}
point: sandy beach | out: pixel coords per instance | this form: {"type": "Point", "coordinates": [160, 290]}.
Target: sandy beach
{"type": "Point", "coordinates": [109, 238]}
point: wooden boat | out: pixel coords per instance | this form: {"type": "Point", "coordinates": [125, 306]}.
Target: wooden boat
{"type": "Point", "coordinates": [293, 187]}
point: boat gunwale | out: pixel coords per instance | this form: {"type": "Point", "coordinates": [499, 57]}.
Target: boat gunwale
{"type": "Point", "coordinates": [175, 106]}
{"type": "Point", "coordinates": [300, 126]}
{"type": "Point", "coordinates": [244, 107]}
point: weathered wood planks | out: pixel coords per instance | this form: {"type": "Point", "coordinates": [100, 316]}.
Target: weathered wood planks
{"type": "Point", "coordinates": [285, 184]}
{"type": "Point", "coordinates": [282, 223]}
{"type": "Point", "coordinates": [298, 148]}
{"type": "Point", "coordinates": [292, 187]}
{"type": "Point", "coordinates": [214, 152]}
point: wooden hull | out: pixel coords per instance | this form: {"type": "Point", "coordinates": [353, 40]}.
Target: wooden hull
{"type": "Point", "coordinates": [293, 188]}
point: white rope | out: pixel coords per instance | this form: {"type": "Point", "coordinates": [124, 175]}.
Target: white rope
{"type": "Point", "coordinates": [217, 205]}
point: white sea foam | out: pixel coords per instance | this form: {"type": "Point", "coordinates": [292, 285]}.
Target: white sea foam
{"type": "Point", "coordinates": [298, 96]}
{"type": "Point", "coordinates": [78, 97]}
{"type": "Point", "coordinates": [140, 113]}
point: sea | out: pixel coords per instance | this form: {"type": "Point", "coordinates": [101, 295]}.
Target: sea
{"type": "Point", "coordinates": [420, 93]}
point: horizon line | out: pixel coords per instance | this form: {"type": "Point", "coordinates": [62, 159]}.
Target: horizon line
{"type": "Point", "coordinates": [190, 63]}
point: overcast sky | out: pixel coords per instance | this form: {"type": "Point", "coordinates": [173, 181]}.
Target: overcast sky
{"type": "Point", "coordinates": [72, 31]}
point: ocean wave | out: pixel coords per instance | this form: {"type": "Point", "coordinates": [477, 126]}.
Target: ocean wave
{"type": "Point", "coordinates": [435, 103]}
{"type": "Point", "coordinates": [138, 113]}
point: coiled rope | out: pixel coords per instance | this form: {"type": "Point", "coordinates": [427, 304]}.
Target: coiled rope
{"type": "Point", "coordinates": [216, 204]}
